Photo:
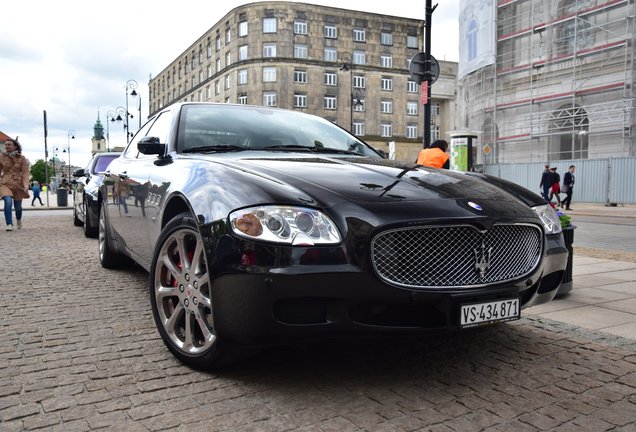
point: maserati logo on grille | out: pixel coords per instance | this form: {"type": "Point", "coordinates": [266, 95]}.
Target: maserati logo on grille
{"type": "Point", "coordinates": [475, 205]}
{"type": "Point", "coordinates": [482, 259]}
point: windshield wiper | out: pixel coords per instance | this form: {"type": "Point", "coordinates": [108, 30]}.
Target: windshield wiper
{"type": "Point", "coordinates": [338, 151]}
{"type": "Point", "coordinates": [289, 147]}
{"type": "Point", "coordinates": [214, 148]}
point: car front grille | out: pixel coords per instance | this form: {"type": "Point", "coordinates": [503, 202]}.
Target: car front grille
{"type": "Point", "coordinates": [457, 256]}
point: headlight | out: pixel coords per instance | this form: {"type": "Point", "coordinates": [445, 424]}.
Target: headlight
{"type": "Point", "coordinates": [549, 217]}
{"type": "Point", "coordinates": [284, 224]}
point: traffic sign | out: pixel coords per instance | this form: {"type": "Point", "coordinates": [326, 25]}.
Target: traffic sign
{"type": "Point", "coordinates": [417, 68]}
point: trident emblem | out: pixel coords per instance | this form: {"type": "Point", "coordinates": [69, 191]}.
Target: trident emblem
{"type": "Point", "coordinates": [482, 259]}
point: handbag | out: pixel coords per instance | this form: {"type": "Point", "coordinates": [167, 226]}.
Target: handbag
{"type": "Point", "coordinates": [565, 188]}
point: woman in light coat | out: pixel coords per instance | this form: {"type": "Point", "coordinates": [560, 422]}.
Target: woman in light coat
{"type": "Point", "coordinates": [14, 181]}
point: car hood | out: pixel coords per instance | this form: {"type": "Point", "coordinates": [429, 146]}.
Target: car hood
{"type": "Point", "coordinates": [368, 182]}
{"type": "Point", "coordinates": [366, 179]}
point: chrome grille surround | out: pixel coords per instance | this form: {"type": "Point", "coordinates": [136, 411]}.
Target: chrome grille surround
{"type": "Point", "coordinates": [451, 255]}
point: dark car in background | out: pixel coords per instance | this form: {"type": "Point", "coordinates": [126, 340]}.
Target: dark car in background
{"type": "Point", "coordinates": [261, 225]}
{"type": "Point", "coordinates": [85, 186]}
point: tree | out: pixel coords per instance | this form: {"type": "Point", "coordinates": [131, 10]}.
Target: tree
{"type": "Point", "coordinates": [38, 171]}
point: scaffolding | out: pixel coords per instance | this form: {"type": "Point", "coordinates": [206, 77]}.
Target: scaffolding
{"type": "Point", "coordinates": [562, 84]}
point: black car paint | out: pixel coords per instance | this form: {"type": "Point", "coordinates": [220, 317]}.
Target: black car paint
{"type": "Point", "coordinates": [255, 302]}
{"type": "Point", "coordinates": [86, 189]}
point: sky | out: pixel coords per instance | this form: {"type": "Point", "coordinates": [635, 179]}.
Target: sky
{"type": "Point", "coordinates": [73, 59]}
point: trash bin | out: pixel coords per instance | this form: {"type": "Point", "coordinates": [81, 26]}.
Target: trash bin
{"type": "Point", "coordinates": [568, 238]}
{"type": "Point", "coordinates": [62, 198]}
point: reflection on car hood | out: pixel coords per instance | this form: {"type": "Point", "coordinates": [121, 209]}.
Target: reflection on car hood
{"type": "Point", "coordinates": [365, 179]}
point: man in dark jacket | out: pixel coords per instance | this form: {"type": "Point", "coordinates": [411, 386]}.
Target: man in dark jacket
{"type": "Point", "coordinates": [568, 185]}
{"type": "Point", "coordinates": [546, 182]}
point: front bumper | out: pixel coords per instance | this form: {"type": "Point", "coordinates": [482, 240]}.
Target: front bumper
{"type": "Point", "coordinates": [305, 302]}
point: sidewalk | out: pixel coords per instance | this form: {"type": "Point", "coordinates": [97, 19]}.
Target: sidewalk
{"type": "Point", "coordinates": [603, 297]}
{"type": "Point", "coordinates": [50, 202]}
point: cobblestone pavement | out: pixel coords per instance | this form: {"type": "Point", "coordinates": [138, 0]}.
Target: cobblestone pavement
{"type": "Point", "coordinates": [80, 352]}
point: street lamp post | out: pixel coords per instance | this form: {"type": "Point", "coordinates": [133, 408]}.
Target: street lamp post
{"type": "Point", "coordinates": [131, 85]}
{"type": "Point", "coordinates": [111, 116]}
{"type": "Point", "coordinates": [71, 135]}
{"type": "Point", "coordinates": [355, 96]}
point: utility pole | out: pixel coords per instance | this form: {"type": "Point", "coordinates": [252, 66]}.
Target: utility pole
{"type": "Point", "coordinates": [427, 76]}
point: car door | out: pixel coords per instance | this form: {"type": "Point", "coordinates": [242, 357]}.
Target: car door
{"type": "Point", "coordinates": [128, 210]}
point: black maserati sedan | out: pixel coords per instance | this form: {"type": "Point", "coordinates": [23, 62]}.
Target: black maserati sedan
{"type": "Point", "coordinates": [260, 226]}
{"type": "Point", "coordinates": [85, 186]}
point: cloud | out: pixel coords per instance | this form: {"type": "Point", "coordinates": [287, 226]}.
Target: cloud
{"type": "Point", "coordinates": [73, 60]}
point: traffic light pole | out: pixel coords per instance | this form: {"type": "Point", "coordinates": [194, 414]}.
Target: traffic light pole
{"type": "Point", "coordinates": [427, 75]}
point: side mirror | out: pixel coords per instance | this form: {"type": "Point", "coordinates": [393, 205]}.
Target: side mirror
{"type": "Point", "coordinates": [151, 145]}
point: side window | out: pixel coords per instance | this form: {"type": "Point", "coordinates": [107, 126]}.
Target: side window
{"type": "Point", "coordinates": [159, 127]}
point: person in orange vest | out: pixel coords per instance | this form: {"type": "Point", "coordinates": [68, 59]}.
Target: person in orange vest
{"type": "Point", "coordinates": [435, 156]}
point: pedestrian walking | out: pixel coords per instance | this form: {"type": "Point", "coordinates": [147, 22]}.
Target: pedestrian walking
{"type": "Point", "coordinates": [568, 186]}
{"type": "Point", "coordinates": [435, 156]}
{"type": "Point", "coordinates": [36, 193]}
{"type": "Point", "coordinates": [555, 189]}
{"type": "Point", "coordinates": [14, 181]}
{"type": "Point", "coordinates": [546, 182]}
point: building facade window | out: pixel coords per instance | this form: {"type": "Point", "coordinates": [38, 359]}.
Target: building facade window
{"type": "Point", "coordinates": [228, 82]}
{"type": "Point", "coordinates": [330, 32]}
{"type": "Point", "coordinates": [434, 133]}
{"type": "Point", "coordinates": [411, 130]}
{"type": "Point", "coordinates": [242, 99]}
{"type": "Point", "coordinates": [386, 84]}
{"type": "Point", "coordinates": [360, 105]}
{"type": "Point", "coordinates": [358, 128]}
{"type": "Point", "coordinates": [217, 87]}
{"type": "Point", "coordinates": [269, 49]}
{"type": "Point", "coordinates": [359, 81]}
{"type": "Point", "coordinates": [269, 25]}
{"type": "Point", "coordinates": [411, 108]}
{"type": "Point", "coordinates": [330, 103]}
{"type": "Point", "coordinates": [300, 51]}
{"type": "Point", "coordinates": [411, 86]}
{"type": "Point", "coordinates": [269, 74]}
{"type": "Point", "coordinates": [242, 77]}
{"type": "Point", "coordinates": [209, 69]}
{"type": "Point", "coordinates": [300, 100]}
{"type": "Point", "coordinates": [331, 55]}
{"type": "Point", "coordinates": [218, 65]}
{"type": "Point", "coordinates": [386, 60]}
{"type": "Point", "coordinates": [330, 79]}
{"type": "Point", "coordinates": [242, 29]}
{"type": "Point", "coordinates": [300, 27]}
{"type": "Point", "coordinates": [359, 35]}
{"type": "Point", "coordinates": [242, 54]}
{"type": "Point", "coordinates": [228, 36]}
{"type": "Point", "coordinates": [208, 92]}
{"type": "Point", "coordinates": [359, 57]}
{"type": "Point", "coordinates": [228, 59]}
{"type": "Point", "coordinates": [411, 41]}
{"type": "Point", "coordinates": [386, 38]}
{"type": "Point", "coordinates": [300, 76]}
{"type": "Point", "coordinates": [386, 107]}
{"type": "Point", "coordinates": [386, 130]}
{"type": "Point", "coordinates": [269, 99]}
{"type": "Point", "coordinates": [218, 43]}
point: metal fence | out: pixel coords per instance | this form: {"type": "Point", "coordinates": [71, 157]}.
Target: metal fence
{"type": "Point", "coordinates": [606, 181]}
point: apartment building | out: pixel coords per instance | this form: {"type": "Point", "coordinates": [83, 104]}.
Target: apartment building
{"type": "Point", "coordinates": [348, 66]}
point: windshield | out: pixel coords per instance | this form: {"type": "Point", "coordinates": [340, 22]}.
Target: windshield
{"type": "Point", "coordinates": [102, 163]}
{"type": "Point", "coordinates": [216, 128]}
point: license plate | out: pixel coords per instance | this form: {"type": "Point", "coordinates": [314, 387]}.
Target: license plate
{"type": "Point", "coordinates": [476, 314]}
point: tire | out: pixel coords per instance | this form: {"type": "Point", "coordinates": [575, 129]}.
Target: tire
{"type": "Point", "coordinates": [108, 258]}
{"type": "Point", "coordinates": [76, 221]}
{"type": "Point", "coordinates": [180, 296]}
{"type": "Point", "coordinates": [90, 231]}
